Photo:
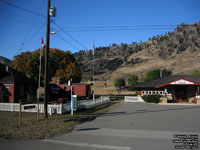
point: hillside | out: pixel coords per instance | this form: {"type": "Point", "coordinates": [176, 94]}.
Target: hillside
{"type": "Point", "coordinates": [178, 51]}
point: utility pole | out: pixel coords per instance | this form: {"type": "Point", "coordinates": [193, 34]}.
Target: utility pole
{"type": "Point", "coordinates": [46, 79]}
{"type": "Point", "coordinates": [93, 71]}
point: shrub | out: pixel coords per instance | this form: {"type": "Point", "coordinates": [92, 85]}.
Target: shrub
{"type": "Point", "coordinates": [132, 80]}
{"type": "Point", "coordinates": [181, 48]}
{"type": "Point", "coordinates": [151, 98]}
{"type": "Point", "coordinates": [119, 82]}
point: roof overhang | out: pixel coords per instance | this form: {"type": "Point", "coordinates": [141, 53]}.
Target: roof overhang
{"type": "Point", "coordinates": [180, 81]}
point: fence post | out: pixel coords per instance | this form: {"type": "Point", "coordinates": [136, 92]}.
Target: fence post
{"type": "Point", "coordinates": [61, 108]}
{"type": "Point", "coordinates": [38, 111]}
{"type": "Point", "coordinates": [20, 113]}
{"type": "Point", "coordinates": [12, 107]}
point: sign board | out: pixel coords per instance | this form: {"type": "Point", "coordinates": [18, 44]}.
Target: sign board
{"type": "Point", "coordinates": [181, 82]}
{"type": "Point", "coordinates": [29, 107]}
{"type": "Point", "coordinates": [70, 83]}
{"type": "Point", "coordinates": [74, 102]}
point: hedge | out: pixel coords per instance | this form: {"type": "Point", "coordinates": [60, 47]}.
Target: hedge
{"type": "Point", "coordinates": [151, 98]}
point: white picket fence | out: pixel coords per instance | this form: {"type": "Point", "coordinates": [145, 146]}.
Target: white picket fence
{"type": "Point", "coordinates": [133, 99]}
{"type": "Point", "coordinates": [53, 109]}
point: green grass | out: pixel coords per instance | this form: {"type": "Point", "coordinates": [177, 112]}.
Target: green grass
{"type": "Point", "coordinates": [32, 129]}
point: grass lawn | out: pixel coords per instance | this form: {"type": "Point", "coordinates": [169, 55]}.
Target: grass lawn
{"type": "Point", "coordinates": [31, 129]}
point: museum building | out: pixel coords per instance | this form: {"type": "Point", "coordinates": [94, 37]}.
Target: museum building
{"type": "Point", "coordinates": [177, 88]}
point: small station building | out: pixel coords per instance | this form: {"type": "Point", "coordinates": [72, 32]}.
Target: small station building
{"type": "Point", "coordinates": [177, 88]}
{"type": "Point", "coordinates": [15, 86]}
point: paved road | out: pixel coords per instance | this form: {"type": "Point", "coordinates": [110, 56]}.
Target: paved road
{"type": "Point", "coordinates": [131, 126]}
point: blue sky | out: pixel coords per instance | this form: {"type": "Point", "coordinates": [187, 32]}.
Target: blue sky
{"type": "Point", "coordinates": [79, 23]}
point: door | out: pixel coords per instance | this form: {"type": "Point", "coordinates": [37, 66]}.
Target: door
{"type": "Point", "coordinates": [180, 93]}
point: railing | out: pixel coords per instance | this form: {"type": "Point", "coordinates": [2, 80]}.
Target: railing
{"type": "Point", "coordinates": [53, 109]}
{"type": "Point", "coordinates": [133, 99]}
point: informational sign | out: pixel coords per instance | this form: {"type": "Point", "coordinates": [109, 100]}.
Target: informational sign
{"type": "Point", "coordinates": [181, 82]}
{"type": "Point", "coordinates": [74, 102]}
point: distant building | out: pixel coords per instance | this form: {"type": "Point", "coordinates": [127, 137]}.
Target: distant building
{"type": "Point", "coordinates": [181, 88]}
{"type": "Point", "coordinates": [15, 86]}
{"type": "Point", "coordinates": [81, 89]}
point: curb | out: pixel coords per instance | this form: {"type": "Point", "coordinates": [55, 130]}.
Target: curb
{"type": "Point", "coordinates": [179, 104]}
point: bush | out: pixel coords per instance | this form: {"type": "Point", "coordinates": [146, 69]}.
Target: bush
{"type": "Point", "coordinates": [132, 80]}
{"type": "Point", "coordinates": [154, 74]}
{"type": "Point", "coordinates": [151, 98]}
{"type": "Point", "coordinates": [181, 48]}
{"type": "Point", "coordinates": [119, 82]}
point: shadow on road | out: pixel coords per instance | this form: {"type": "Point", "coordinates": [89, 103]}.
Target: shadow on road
{"type": "Point", "coordinates": [143, 111]}
{"type": "Point", "coordinates": [88, 129]}
{"type": "Point", "coordinates": [82, 119]}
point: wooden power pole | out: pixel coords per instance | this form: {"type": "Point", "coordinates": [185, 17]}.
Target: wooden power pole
{"type": "Point", "coordinates": [46, 79]}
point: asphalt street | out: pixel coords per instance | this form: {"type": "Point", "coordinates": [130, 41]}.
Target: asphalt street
{"type": "Point", "coordinates": [130, 126]}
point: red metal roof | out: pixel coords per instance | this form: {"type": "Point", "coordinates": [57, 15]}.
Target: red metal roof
{"type": "Point", "coordinates": [169, 80]}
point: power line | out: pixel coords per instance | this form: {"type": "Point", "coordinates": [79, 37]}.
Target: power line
{"type": "Point", "coordinates": [23, 9]}
{"type": "Point", "coordinates": [139, 26]}
{"type": "Point", "coordinates": [17, 20]}
{"type": "Point", "coordinates": [118, 28]}
{"type": "Point", "coordinates": [92, 30]}
{"type": "Point", "coordinates": [33, 21]}
{"type": "Point", "coordinates": [24, 45]}
{"type": "Point", "coordinates": [66, 41]}
{"type": "Point", "coordinates": [70, 36]}
{"type": "Point", "coordinates": [122, 27]}
{"type": "Point", "coordinates": [19, 16]}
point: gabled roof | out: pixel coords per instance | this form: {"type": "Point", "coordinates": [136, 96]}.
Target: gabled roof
{"type": "Point", "coordinates": [170, 80]}
{"type": "Point", "coordinates": [12, 76]}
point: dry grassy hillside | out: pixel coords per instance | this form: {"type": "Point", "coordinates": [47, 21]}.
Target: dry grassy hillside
{"type": "Point", "coordinates": [178, 51]}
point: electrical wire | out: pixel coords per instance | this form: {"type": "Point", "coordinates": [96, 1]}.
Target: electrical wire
{"type": "Point", "coordinates": [30, 27]}
{"type": "Point", "coordinates": [93, 30]}
{"type": "Point", "coordinates": [118, 28]}
{"type": "Point", "coordinates": [70, 36]}
{"type": "Point", "coordinates": [140, 26]}
{"type": "Point", "coordinates": [24, 45]}
{"type": "Point", "coordinates": [66, 41]}
{"type": "Point", "coordinates": [23, 9]}
{"type": "Point", "coordinates": [19, 17]}
{"type": "Point", "coordinates": [17, 20]}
